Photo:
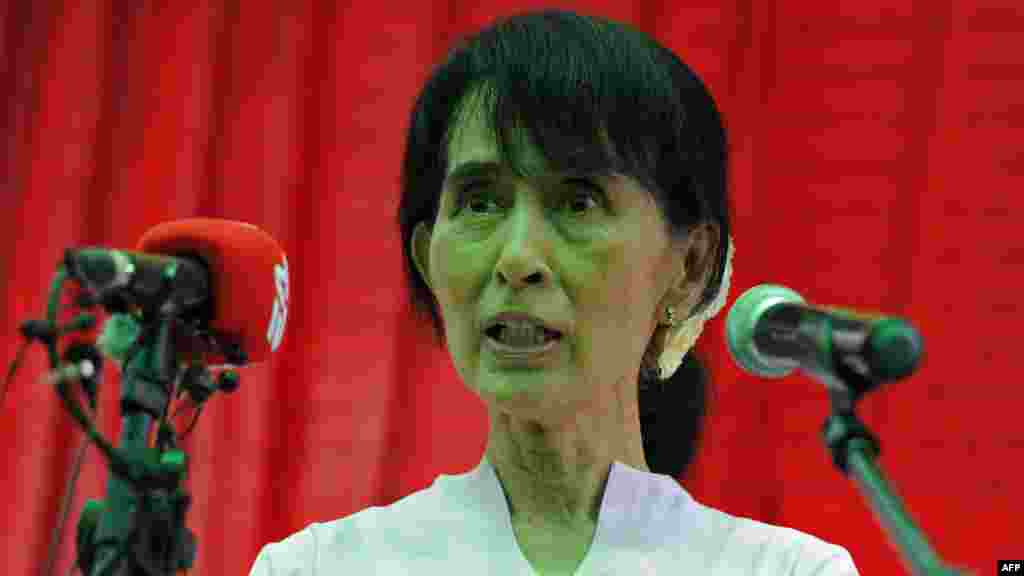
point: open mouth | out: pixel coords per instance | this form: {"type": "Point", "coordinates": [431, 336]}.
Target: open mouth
{"type": "Point", "coordinates": [522, 335]}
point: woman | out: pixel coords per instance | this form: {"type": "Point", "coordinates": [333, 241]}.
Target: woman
{"type": "Point", "coordinates": [565, 226]}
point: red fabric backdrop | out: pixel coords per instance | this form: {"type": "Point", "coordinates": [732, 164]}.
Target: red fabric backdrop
{"type": "Point", "coordinates": [877, 164]}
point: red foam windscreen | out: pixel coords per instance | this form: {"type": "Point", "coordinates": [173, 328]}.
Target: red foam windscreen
{"type": "Point", "coordinates": [248, 276]}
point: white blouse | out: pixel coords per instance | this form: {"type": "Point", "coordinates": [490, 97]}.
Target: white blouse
{"type": "Point", "coordinates": [460, 524]}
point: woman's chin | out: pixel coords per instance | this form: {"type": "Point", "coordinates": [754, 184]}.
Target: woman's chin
{"type": "Point", "coordinates": [532, 386]}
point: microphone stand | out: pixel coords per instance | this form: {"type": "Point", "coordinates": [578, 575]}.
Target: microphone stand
{"type": "Point", "coordinates": [854, 450]}
{"type": "Point", "coordinates": [140, 528]}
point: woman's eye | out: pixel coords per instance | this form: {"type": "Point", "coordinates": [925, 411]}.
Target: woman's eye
{"type": "Point", "coordinates": [584, 195]}
{"type": "Point", "coordinates": [478, 197]}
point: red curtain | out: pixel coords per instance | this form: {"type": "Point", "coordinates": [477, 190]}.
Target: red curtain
{"type": "Point", "coordinates": [877, 164]}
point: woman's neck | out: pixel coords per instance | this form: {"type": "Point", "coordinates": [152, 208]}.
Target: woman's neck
{"type": "Point", "coordinates": [554, 478]}
{"type": "Point", "coordinates": [554, 475]}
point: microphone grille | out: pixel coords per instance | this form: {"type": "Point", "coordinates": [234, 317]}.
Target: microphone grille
{"type": "Point", "coordinates": [742, 320]}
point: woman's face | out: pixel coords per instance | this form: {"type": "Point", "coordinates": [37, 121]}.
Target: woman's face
{"type": "Point", "coordinates": [588, 258]}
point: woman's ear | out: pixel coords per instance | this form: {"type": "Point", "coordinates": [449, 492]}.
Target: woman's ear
{"type": "Point", "coordinates": [695, 263]}
{"type": "Point", "coordinates": [421, 251]}
{"type": "Point", "coordinates": [691, 267]}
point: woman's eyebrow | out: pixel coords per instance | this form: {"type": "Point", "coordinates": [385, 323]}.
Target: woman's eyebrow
{"type": "Point", "coordinates": [472, 168]}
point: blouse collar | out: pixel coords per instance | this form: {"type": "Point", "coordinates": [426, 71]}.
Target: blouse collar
{"type": "Point", "coordinates": [636, 512]}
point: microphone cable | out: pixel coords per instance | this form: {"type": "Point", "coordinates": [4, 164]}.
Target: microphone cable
{"type": "Point", "coordinates": [70, 490]}
{"type": "Point", "coordinates": [84, 364]}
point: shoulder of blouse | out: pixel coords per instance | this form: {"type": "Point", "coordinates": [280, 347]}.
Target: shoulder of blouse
{"type": "Point", "coordinates": [368, 532]}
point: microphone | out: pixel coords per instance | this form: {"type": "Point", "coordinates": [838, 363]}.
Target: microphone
{"type": "Point", "coordinates": [771, 331]}
{"type": "Point", "coordinates": [230, 276]}
{"type": "Point", "coordinates": [123, 280]}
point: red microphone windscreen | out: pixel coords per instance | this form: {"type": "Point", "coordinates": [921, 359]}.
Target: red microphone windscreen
{"type": "Point", "coordinates": [248, 277]}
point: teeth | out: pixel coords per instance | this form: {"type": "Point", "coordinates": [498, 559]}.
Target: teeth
{"type": "Point", "coordinates": [520, 333]}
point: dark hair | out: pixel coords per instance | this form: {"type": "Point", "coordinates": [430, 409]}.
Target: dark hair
{"type": "Point", "coordinates": [591, 95]}
{"type": "Point", "coordinates": [672, 415]}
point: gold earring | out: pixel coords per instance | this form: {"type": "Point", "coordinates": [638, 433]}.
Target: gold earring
{"type": "Point", "coordinates": [670, 316]}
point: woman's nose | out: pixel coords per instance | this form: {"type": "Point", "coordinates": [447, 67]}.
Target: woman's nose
{"type": "Point", "coordinates": [524, 256]}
